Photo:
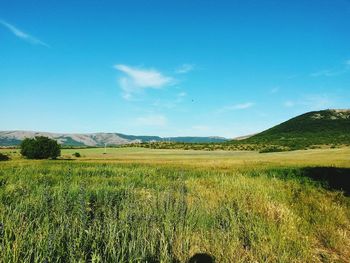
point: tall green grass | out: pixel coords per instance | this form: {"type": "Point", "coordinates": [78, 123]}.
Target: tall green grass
{"type": "Point", "coordinates": [67, 211]}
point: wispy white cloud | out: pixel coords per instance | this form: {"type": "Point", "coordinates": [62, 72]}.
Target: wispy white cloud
{"type": "Point", "coordinates": [182, 94]}
{"type": "Point", "coordinates": [170, 103]}
{"type": "Point", "coordinates": [185, 68]}
{"type": "Point", "coordinates": [152, 120]}
{"type": "Point", "coordinates": [202, 128]}
{"type": "Point", "coordinates": [241, 106]}
{"type": "Point", "coordinates": [318, 101]}
{"type": "Point", "coordinates": [313, 102]}
{"type": "Point", "coordinates": [327, 73]}
{"type": "Point", "coordinates": [22, 35]}
{"type": "Point", "coordinates": [135, 80]}
{"type": "Point", "coordinates": [274, 90]}
{"type": "Point", "coordinates": [333, 72]}
{"type": "Point", "coordinates": [289, 103]}
{"type": "Point", "coordinates": [180, 97]}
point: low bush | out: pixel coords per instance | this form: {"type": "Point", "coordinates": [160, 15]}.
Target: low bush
{"type": "Point", "coordinates": [272, 148]}
{"type": "Point", "coordinates": [76, 154]}
{"type": "Point", "coordinates": [4, 157]}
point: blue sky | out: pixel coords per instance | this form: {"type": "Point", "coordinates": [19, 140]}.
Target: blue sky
{"type": "Point", "coordinates": [170, 68]}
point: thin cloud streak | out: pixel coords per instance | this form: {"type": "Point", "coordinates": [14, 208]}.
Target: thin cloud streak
{"type": "Point", "coordinates": [22, 35]}
{"type": "Point", "coordinates": [152, 120]}
{"type": "Point", "coordinates": [332, 72]}
{"type": "Point", "coordinates": [327, 73]}
{"type": "Point", "coordinates": [289, 104]}
{"type": "Point", "coordinates": [184, 68]}
{"type": "Point", "coordinates": [274, 90]}
{"type": "Point", "coordinates": [170, 104]}
{"type": "Point", "coordinates": [312, 102]}
{"type": "Point", "coordinates": [241, 106]}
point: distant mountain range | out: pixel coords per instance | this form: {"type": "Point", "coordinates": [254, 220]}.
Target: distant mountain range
{"type": "Point", "coordinates": [312, 128]}
{"type": "Point", "coordinates": [13, 138]}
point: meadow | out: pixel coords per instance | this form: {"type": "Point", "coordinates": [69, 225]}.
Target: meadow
{"type": "Point", "coordinates": [147, 205]}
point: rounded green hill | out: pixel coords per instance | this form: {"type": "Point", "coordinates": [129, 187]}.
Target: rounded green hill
{"type": "Point", "coordinates": [324, 127]}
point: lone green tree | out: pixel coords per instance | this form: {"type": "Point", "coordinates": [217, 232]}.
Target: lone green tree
{"type": "Point", "coordinates": [40, 147]}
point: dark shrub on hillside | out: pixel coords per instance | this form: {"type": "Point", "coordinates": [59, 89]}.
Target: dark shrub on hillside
{"type": "Point", "coordinates": [40, 148]}
{"type": "Point", "coordinates": [273, 148]}
{"type": "Point", "coordinates": [76, 154]}
{"type": "Point", "coordinates": [4, 157]}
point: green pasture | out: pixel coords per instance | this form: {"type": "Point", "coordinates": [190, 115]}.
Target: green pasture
{"type": "Point", "coordinates": [143, 205]}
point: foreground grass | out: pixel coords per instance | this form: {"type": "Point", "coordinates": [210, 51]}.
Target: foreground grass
{"type": "Point", "coordinates": [139, 209]}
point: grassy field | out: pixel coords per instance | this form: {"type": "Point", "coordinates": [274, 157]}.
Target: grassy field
{"type": "Point", "coordinates": [142, 205]}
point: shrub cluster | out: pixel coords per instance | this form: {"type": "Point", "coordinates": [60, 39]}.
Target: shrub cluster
{"type": "Point", "coordinates": [76, 154]}
{"type": "Point", "coordinates": [40, 147]}
{"type": "Point", "coordinates": [273, 148]}
{"type": "Point", "coordinates": [4, 157]}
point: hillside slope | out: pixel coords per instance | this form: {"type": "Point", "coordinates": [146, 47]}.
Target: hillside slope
{"type": "Point", "coordinates": [312, 128]}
